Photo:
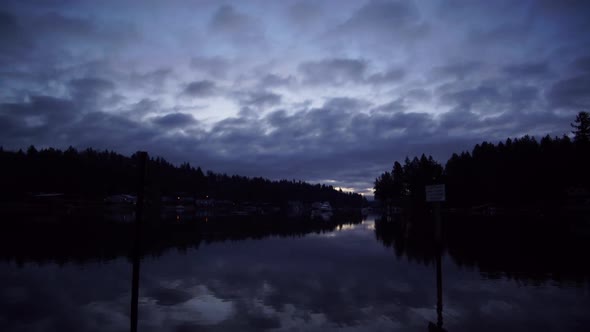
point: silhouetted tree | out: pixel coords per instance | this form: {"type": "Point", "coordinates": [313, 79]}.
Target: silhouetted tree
{"type": "Point", "coordinates": [405, 184]}
{"type": "Point", "coordinates": [582, 127]}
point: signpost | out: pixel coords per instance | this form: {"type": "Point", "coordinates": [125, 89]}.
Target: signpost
{"type": "Point", "coordinates": [436, 194]}
{"type": "Point", "coordinates": [142, 158]}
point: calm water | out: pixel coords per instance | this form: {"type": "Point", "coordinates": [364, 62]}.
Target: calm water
{"type": "Point", "coordinates": [345, 279]}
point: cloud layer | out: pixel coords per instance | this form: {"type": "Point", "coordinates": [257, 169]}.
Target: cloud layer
{"type": "Point", "coordinates": [331, 92]}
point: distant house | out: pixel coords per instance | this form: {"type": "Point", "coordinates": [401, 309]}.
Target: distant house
{"type": "Point", "coordinates": [121, 199]}
{"type": "Point", "coordinates": [578, 199]}
{"type": "Point", "coordinates": [488, 209]}
{"type": "Point", "coordinates": [321, 210]}
{"type": "Point", "coordinates": [205, 203]}
{"type": "Point", "coordinates": [48, 195]}
{"type": "Point", "coordinates": [178, 199]}
{"type": "Point", "coordinates": [295, 208]}
{"type": "Point", "coordinates": [322, 206]}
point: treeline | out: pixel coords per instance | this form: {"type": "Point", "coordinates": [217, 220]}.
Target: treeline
{"type": "Point", "coordinates": [96, 174]}
{"type": "Point", "coordinates": [519, 172]}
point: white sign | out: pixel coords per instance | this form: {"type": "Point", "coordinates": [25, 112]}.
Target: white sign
{"type": "Point", "coordinates": [435, 193]}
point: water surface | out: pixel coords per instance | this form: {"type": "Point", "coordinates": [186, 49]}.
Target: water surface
{"type": "Point", "coordinates": [348, 279]}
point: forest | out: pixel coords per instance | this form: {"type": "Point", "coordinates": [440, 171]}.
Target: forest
{"type": "Point", "coordinates": [519, 172]}
{"type": "Point", "coordinates": [95, 174]}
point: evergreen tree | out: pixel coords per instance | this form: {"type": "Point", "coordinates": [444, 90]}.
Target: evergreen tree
{"type": "Point", "coordinates": [582, 128]}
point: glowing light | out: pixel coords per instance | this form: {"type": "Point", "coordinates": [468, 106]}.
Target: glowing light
{"type": "Point", "coordinates": [345, 189]}
{"type": "Point", "coordinates": [346, 227]}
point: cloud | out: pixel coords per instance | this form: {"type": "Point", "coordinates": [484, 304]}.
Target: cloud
{"type": "Point", "coordinates": [470, 96]}
{"type": "Point", "coordinates": [200, 89]}
{"type": "Point", "coordinates": [380, 22]}
{"type": "Point", "coordinates": [216, 67]}
{"type": "Point", "coordinates": [391, 107]}
{"type": "Point", "coordinates": [257, 100]}
{"type": "Point", "coordinates": [90, 88]}
{"type": "Point", "coordinates": [273, 80]}
{"type": "Point", "coordinates": [175, 120]}
{"type": "Point", "coordinates": [346, 104]}
{"type": "Point", "coordinates": [237, 26]}
{"type": "Point", "coordinates": [572, 93]}
{"type": "Point", "coordinates": [460, 70]}
{"type": "Point", "coordinates": [333, 71]}
{"type": "Point", "coordinates": [39, 113]}
{"type": "Point", "coordinates": [304, 14]}
{"type": "Point", "coordinates": [392, 75]}
{"type": "Point", "coordinates": [527, 70]}
{"type": "Point", "coordinates": [583, 63]}
{"type": "Point", "coordinates": [16, 40]}
{"type": "Point", "coordinates": [376, 14]}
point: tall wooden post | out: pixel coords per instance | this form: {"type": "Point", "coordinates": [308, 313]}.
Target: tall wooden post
{"type": "Point", "coordinates": [438, 231]}
{"type": "Point", "coordinates": [142, 166]}
{"type": "Point", "coordinates": [436, 194]}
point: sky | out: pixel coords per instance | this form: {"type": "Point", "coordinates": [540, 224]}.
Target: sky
{"type": "Point", "coordinates": [322, 91]}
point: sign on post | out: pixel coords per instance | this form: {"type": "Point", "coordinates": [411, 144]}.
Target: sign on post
{"type": "Point", "coordinates": [435, 193]}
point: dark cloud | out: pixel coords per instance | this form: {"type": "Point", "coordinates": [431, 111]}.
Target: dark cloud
{"type": "Point", "coordinates": [143, 107]}
{"type": "Point", "coordinates": [39, 120]}
{"type": "Point", "coordinates": [203, 88]}
{"type": "Point", "coordinates": [333, 71]}
{"type": "Point", "coordinates": [378, 13]}
{"type": "Point", "coordinates": [216, 67]}
{"type": "Point", "coordinates": [41, 111]}
{"type": "Point", "coordinates": [573, 93]}
{"type": "Point", "coordinates": [237, 26]}
{"type": "Point", "coordinates": [59, 28]}
{"type": "Point", "coordinates": [522, 96]}
{"type": "Point", "coordinates": [504, 35]}
{"type": "Point", "coordinates": [346, 104]}
{"type": "Point", "coordinates": [470, 96]}
{"type": "Point", "coordinates": [154, 79]}
{"type": "Point", "coordinates": [459, 70]}
{"type": "Point", "coordinates": [418, 94]}
{"type": "Point", "coordinates": [492, 97]}
{"type": "Point", "coordinates": [273, 80]}
{"type": "Point", "coordinates": [384, 21]}
{"type": "Point", "coordinates": [175, 120]}
{"type": "Point", "coordinates": [527, 69]}
{"type": "Point", "coordinates": [169, 296]}
{"type": "Point", "coordinates": [304, 13]}
{"type": "Point", "coordinates": [90, 88]}
{"type": "Point", "coordinates": [582, 63]}
{"type": "Point", "coordinates": [567, 10]}
{"type": "Point", "coordinates": [392, 75]}
{"type": "Point", "coordinates": [260, 99]}
{"type": "Point", "coordinates": [393, 106]}
{"type": "Point", "coordinates": [15, 38]}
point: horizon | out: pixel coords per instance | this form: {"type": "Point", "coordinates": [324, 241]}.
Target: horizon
{"type": "Point", "coordinates": [331, 92]}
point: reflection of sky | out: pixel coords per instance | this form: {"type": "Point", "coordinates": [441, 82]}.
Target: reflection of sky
{"type": "Point", "coordinates": [348, 282]}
